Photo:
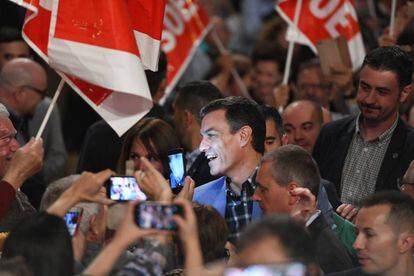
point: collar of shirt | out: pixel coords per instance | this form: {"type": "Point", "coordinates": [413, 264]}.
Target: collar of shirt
{"type": "Point", "coordinates": [313, 217]}
{"type": "Point", "coordinates": [249, 186]}
{"type": "Point", "coordinates": [385, 135]}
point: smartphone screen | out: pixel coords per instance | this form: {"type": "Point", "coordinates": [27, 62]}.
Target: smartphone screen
{"type": "Point", "coordinates": [153, 215]}
{"type": "Point", "coordinates": [124, 188]}
{"type": "Point", "coordinates": [290, 269]}
{"type": "Point", "coordinates": [177, 167]}
{"type": "Point", "coordinates": [72, 219]}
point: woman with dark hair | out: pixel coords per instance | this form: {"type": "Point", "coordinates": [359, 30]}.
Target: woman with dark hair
{"type": "Point", "coordinates": [44, 243]}
{"type": "Point", "coordinates": [151, 138]}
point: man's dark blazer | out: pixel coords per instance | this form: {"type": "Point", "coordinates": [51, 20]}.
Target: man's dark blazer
{"type": "Point", "coordinates": [332, 146]}
{"type": "Point", "coordinates": [330, 254]}
{"type": "Point", "coordinates": [200, 171]}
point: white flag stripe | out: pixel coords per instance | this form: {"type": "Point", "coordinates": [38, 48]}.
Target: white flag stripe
{"type": "Point", "coordinates": [109, 68]}
{"type": "Point", "coordinates": [119, 110]}
{"type": "Point", "coordinates": [148, 49]}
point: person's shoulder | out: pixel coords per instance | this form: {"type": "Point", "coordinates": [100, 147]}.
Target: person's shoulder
{"type": "Point", "coordinates": [340, 124]}
{"type": "Point", "coordinates": [216, 184]}
{"type": "Point", "coordinates": [350, 272]}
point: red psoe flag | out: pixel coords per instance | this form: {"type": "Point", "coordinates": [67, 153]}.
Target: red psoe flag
{"type": "Point", "coordinates": [98, 47]}
{"type": "Point", "coordinates": [322, 19]}
{"type": "Point", "coordinates": [185, 25]}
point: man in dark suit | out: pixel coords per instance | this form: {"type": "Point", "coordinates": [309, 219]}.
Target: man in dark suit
{"type": "Point", "coordinates": [189, 100]}
{"type": "Point", "coordinates": [370, 152]}
{"type": "Point", "coordinates": [288, 183]}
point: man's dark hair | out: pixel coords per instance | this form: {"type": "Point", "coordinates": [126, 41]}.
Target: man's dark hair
{"type": "Point", "coordinates": [44, 242]}
{"type": "Point", "coordinates": [241, 112]}
{"type": "Point", "coordinates": [212, 232]}
{"type": "Point", "coordinates": [401, 215]}
{"type": "Point", "coordinates": [155, 78]}
{"type": "Point", "coordinates": [307, 64]}
{"type": "Point", "coordinates": [291, 234]}
{"type": "Point", "coordinates": [269, 112]}
{"type": "Point", "coordinates": [394, 59]}
{"type": "Point", "coordinates": [9, 34]}
{"type": "Point", "coordinates": [195, 95]}
{"type": "Point", "coordinates": [273, 55]}
{"type": "Point", "coordinates": [293, 163]}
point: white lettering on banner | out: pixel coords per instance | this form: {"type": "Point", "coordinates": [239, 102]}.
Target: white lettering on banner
{"type": "Point", "coordinates": [173, 21]}
{"type": "Point", "coordinates": [168, 41]}
{"type": "Point", "coordinates": [340, 18]}
{"type": "Point", "coordinates": [187, 11]}
{"type": "Point", "coordinates": [325, 10]}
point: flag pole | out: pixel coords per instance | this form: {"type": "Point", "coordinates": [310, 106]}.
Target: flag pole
{"type": "Point", "coordinates": [392, 20]}
{"type": "Point", "coordinates": [49, 110]}
{"type": "Point", "coordinates": [292, 42]}
{"type": "Point", "coordinates": [234, 72]}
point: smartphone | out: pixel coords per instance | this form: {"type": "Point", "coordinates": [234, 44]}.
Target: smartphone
{"type": "Point", "coordinates": [290, 269]}
{"type": "Point", "coordinates": [176, 161]}
{"type": "Point", "coordinates": [154, 215]}
{"type": "Point", "coordinates": [72, 219]}
{"type": "Point", "coordinates": [124, 188]}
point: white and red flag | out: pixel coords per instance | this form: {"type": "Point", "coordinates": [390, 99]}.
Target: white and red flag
{"type": "Point", "coordinates": [185, 25]}
{"type": "Point", "coordinates": [323, 19]}
{"type": "Point", "coordinates": [101, 49]}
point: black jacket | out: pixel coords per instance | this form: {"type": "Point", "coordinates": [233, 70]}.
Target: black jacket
{"type": "Point", "coordinates": [332, 146]}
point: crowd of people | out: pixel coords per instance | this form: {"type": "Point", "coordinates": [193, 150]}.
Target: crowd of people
{"type": "Point", "coordinates": [310, 178]}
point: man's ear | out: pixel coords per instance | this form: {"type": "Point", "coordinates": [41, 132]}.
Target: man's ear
{"type": "Point", "coordinates": [290, 187]}
{"type": "Point", "coordinates": [245, 136]}
{"type": "Point", "coordinates": [406, 242]}
{"type": "Point", "coordinates": [405, 93]}
{"type": "Point", "coordinates": [188, 118]}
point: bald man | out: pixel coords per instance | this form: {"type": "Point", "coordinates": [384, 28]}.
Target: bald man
{"type": "Point", "coordinates": [23, 84]}
{"type": "Point", "coordinates": [302, 122]}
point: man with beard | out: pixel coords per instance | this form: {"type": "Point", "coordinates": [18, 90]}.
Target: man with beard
{"type": "Point", "coordinates": [370, 152]}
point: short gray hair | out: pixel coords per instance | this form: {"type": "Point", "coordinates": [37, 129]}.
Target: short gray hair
{"type": "Point", "coordinates": [293, 163]}
{"type": "Point", "coordinates": [56, 189]}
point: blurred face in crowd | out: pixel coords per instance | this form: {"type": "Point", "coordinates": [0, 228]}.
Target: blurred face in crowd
{"type": "Point", "coordinates": [312, 86]}
{"type": "Point", "coordinates": [11, 50]}
{"type": "Point", "coordinates": [407, 182]}
{"type": "Point", "coordinates": [268, 250]}
{"type": "Point", "coordinates": [178, 119]}
{"type": "Point", "coordinates": [220, 146]}
{"type": "Point", "coordinates": [273, 198]}
{"type": "Point", "coordinates": [273, 139]}
{"type": "Point", "coordinates": [378, 244]}
{"type": "Point", "coordinates": [266, 78]}
{"type": "Point", "coordinates": [138, 150]}
{"type": "Point", "coordinates": [379, 95]}
{"type": "Point", "coordinates": [8, 144]}
{"type": "Point", "coordinates": [301, 125]}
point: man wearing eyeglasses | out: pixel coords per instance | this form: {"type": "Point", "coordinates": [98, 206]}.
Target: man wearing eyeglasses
{"type": "Point", "coordinates": [406, 184]}
{"type": "Point", "coordinates": [23, 84]}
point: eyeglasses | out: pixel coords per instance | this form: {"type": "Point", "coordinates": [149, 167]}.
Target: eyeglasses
{"type": "Point", "coordinates": [41, 93]}
{"type": "Point", "coordinates": [402, 185]}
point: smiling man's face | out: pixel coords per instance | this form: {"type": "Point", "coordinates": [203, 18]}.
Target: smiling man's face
{"type": "Point", "coordinates": [220, 146]}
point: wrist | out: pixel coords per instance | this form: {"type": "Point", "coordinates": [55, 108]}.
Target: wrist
{"type": "Point", "coordinates": [14, 179]}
